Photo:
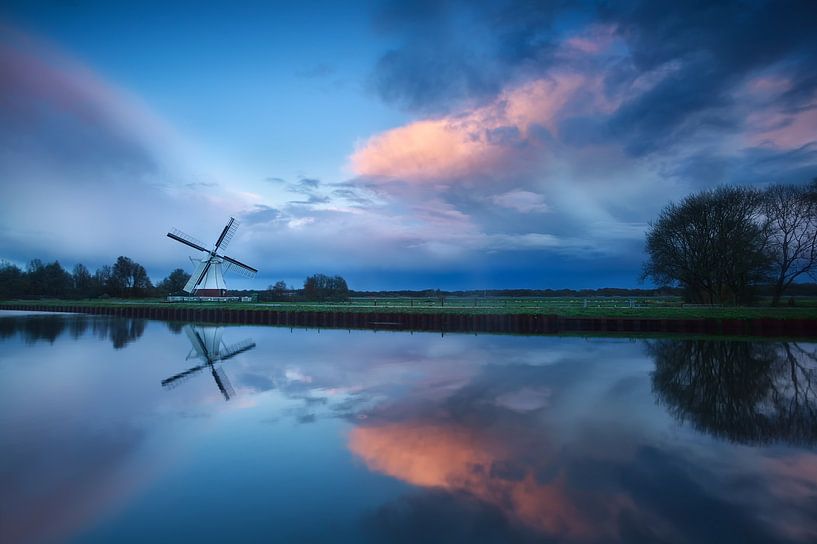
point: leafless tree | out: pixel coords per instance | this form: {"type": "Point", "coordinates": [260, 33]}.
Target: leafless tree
{"type": "Point", "coordinates": [791, 226]}
{"type": "Point", "coordinates": [712, 244]}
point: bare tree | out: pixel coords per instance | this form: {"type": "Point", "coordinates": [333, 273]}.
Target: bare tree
{"type": "Point", "coordinates": [711, 244]}
{"type": "Point", "coordinates": [791, 225]}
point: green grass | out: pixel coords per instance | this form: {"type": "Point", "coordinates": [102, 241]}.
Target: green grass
{"type": "Point", "coordinates": [653, 307]}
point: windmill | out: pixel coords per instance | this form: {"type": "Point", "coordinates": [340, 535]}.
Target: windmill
{"type": "Point", "coordinates": [211, 349]}
{"type": "Point", "coordinates": [208, 278]}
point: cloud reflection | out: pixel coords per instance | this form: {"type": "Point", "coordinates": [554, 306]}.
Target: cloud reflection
{"type": "Point", "coordinates": [512, 440]}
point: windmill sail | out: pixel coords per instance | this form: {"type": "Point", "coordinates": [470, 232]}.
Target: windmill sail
{"type": "Point", "coordinates": [174, 380]}
{"type": "Point", "coordinates": [223, 383]}
{"type": "Point", "coordinates": [196, 341]}
{"type": "Point", "coordinates": [201, 269]}
{"type": "Point", "coordinates": [227, 234]}
{"type": "Point", "coordinates": [241, 268]}
{"type": "Point", "coordinates": [186, 239]}
{"type": "Point", "coordinates": [237, 348]}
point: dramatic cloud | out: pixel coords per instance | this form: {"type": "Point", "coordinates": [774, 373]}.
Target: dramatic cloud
{"type": "Point", "coordinates": [498, 139]}
{"type": "Point", "coordinates": [597, 122]}
{"type": "Point", "coordinates": [534, 143]}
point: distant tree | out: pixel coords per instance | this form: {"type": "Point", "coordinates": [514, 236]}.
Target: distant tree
{"type": "Point", "coordinates": [36, 277]}
{"type": "Point", "coordinates": [13, 281]}
{"type": "Point", "coordinates": [174, 282]}
{"type": "Point", "coordinates": [712, 244]}
{"type": "Point", "coordinates": [47, 280]}
{"type": "Point", "coordinates": [102, 284]}
{"type": "Point", "coordinates": [279, 289]}
{"type": "Point", "coordinates": [791, 226]}
{"type": "Point", "coordinates": [322, 287]}
{"type": "Point", "coordinates": [129, 278]}
{"type": "Point", "coordinates": [82, 281]}
{"type": "Point", "coordinates": [57, 282]}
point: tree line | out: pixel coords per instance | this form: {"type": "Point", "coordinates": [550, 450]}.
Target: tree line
{"type": "Point", "coordinates": [125, 278]}
{"type": "Point", "coordinates": [723, 245]}
{"type": "Point", "coordinates": [318, 287]}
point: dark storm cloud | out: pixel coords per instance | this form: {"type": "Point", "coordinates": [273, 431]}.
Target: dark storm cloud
{"type": "Point", "coordinates": [690, 506]}
{"type": "Point", "coordinates": [455, 52]}
{"type": "Point", "coordinates": [459, 51]}
{"type": "Point", "coordinates": [261, 214]}
{"type": "Point", "coordinates": [436, 516]}
{"type": "Point", "coordinates": [756, 165]}
{"type": "Point", "coordinates": [710, 48]}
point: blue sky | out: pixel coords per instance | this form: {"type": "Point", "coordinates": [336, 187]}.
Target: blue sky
{"type": "Point", "coordinates": [400, 144]}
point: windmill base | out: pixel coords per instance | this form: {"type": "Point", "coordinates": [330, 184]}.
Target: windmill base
{"type": "Point", "coordinates": [210, 292]}
{"type": "Point", "coordinates": [211, 299]}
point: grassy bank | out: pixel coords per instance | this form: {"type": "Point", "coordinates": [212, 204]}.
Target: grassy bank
{"type": "Point", "coordinates": [659, 308]}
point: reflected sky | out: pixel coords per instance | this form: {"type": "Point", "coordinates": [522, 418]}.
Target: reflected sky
{"type": "Point", "coordinates": [335, 436]}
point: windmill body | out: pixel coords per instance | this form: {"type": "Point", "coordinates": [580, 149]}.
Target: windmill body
{"type": "Point", "coordinates": [207, 279]}
{"type": "Point", "coordinates": [213, 284]}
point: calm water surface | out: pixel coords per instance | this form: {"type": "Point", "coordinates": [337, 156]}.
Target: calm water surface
{"type": "Point", "coordinates": [121, 430]}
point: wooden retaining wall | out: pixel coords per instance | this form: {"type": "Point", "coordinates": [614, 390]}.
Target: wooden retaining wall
{"type": "Point", "coordinates": [444, 322]}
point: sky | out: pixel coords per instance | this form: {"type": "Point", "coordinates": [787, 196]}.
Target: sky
{"type": "Point", "coordinates": [402, 145]}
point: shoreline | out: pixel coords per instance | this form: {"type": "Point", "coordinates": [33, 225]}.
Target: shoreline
{"type": "Point", "coordinates": [513, 323]}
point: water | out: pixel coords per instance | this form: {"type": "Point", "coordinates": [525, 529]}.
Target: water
{"type": "Point", "coordinates": [287, 435]}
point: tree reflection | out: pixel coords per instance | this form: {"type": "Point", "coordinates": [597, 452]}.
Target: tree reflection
{"type": "Point", "coordinates": [33, 328]}
{"type": "Point", "coordinates": [746, 392]}
{"type": "Point", "coordinates": [120, 331]}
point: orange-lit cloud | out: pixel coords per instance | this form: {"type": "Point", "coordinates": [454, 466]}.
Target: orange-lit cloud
{"type": "Point", "coordinates": [502, 135]}
{"type": "Point", "coordinates": [459, 459]}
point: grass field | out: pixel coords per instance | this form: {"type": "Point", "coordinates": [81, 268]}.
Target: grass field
{"type": "Point", "coordinates": [647, 307]}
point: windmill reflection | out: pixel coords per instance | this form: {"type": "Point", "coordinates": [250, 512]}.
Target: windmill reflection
{"type": "Point", "coordinates": [210, 348]}
{"type": "Point", "coordinates": [746, 392]}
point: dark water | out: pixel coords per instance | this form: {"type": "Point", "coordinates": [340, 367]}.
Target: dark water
{"type": "Point", "coordinates": [329, 436]}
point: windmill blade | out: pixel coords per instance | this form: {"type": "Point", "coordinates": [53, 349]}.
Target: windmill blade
{"type": "Point", "coordinates": [173, 381]}
{"type": "Point", "coordinates": [235, 349]}
{"type": "Point", "coordinates": [223, 383]}
{"type": "Point", "coordinates": [241, 268]}
{"type": "Point", "coordinates": [196, 277]}
{"type": "Point", "coordinates": [197, 341]}
{"type": "Point", "coordinates": [227, 234]}
{"type": "Point", "coordinates": [186, 239]}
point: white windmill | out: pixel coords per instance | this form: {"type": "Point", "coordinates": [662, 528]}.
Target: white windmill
{"type": "Point", "coordinates": [208, 278]}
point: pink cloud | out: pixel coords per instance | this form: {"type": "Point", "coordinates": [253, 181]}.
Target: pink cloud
{"type": "Point", "coordinates": [768, 85]}
{"type": "Point", "coordinates": [507, 134]}
{"type": "Point", "coordinates": [499, 136]}
{"type": "Point", "coordinates": [36, 74]}
{"type": "Point", "coordinates": [592, 41]}
{"type": "Point", "coordinates": [782, 130]}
